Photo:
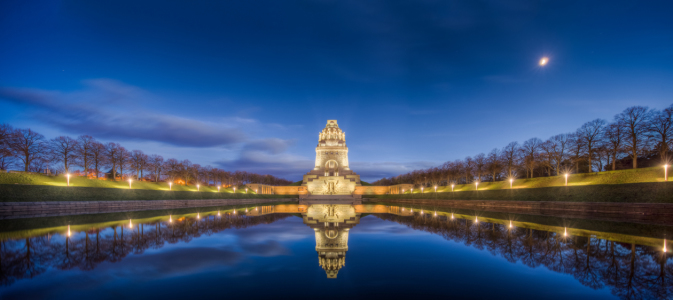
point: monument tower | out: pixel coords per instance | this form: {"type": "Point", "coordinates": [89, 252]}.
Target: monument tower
{"type": "Point", "coordinates": [331, 174]}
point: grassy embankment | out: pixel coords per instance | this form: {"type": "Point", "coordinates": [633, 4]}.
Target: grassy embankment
{"type": "Point", "coordinates": [634, 186]}
{"type": "Point", "coordinates": [35, 187]}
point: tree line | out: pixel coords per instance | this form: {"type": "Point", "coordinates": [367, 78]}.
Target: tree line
{"type": "Point", "coordinates": [32, 152]}
{"type": "Point", "coordinates": [636, 137]}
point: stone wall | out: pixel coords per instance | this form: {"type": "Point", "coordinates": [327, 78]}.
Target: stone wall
{"type": "Point", "coordinates": [15, 210]}
{"type": "Point", "coordinates": [290, 190]}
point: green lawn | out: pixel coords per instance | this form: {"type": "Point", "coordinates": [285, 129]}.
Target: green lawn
{"type": "Point", "coordinates": [610, 177]}
{"type": "Point", "coordinates": [38, 179]}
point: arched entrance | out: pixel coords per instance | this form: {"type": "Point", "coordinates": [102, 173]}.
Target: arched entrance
{"type": "Point", "coordinates": [331, 168]}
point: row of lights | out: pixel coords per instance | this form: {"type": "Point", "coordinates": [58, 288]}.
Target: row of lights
{"type": "Point", "coordinates": [511, 181]}
{"type": "Point", "coordinates": [170, 185]}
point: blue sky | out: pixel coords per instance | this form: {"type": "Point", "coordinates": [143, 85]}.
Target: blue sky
{"type": "Point", "coordinates": [249, 84]}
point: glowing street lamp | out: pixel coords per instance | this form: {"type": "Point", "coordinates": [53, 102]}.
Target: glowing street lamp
{"type": "Point", "coordinates": [255, 191]}
{"type": "Point", "coordinates": [218, 213]}
{"type": "Point", "coordinates": [476, 185]}
{"type": "Point", "coordinates": [130, 224]}
{"type": "Point", "coordinates": [435, 188]}
{"type": "Point", "coordinates": [170, 218]}
{"type": "Point", "coordinates": [234, 190]}
{"type": "Point", "coordinates": [246, 190]}
{"type": "Point", "coordinates": [69, 234]}
{"type": "Point", "coordinates": [664, 240]}
{"type": "Point", "coordinates": [435, 214]}
{"type": "Point", "coordinates": [510, 223]}
{"type": "Point", "coordinates": [511, 180]}
{"type": "Point", "coordinates": [170, 186]}
{"type": "Point", "coordinates": [665, 172]}
{"type": "Point", "coordinates": [451, 216]}
{"type": "Point", "coordinates": [402, 191]}
{"type": "Point", "coordinates": [198, 216]}
{"type": "Point", "coordinates": [565, 231]}
{"type": "Point", "coordinates": [476, 219]}
{"type": "Point", "coordinates": [422, 189]}
{"type": "Point", "coordinates": [452, 187]}
{"type": "Point", "coordinates": [412, 190]}
{"type": "Point", "coordinates": [218, 188]}
{"type": "Point", "coordinates": [198, 188]}
{"type": "Point", "coordinates": [130, 183]}
{"type": "Point", "coordinates": [67, 177]}
{"type": "Point", "coordinates": [566, 175]}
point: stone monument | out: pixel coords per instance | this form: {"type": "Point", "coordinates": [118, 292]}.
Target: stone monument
{"type": "Point", "coordinates": [331, 174]}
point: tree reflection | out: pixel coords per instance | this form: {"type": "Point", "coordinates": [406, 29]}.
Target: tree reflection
{"type": "Point", "coordinates": [630, 271]}
{"type": "Point", "coordinates": [29, 257]}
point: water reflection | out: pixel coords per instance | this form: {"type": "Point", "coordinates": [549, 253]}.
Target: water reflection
{"type": "Point", "coordinates": [631, 266]}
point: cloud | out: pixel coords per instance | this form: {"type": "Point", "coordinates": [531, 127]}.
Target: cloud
{"type": "Point", "coordinates": [108, 109]}
{"type": "Point", "coordinates": [272, 146]}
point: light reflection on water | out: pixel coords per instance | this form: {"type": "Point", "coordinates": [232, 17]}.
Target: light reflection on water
{"type": "Point", "coordinates": [360, 249]}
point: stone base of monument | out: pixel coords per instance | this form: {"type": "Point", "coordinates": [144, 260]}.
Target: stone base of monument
{"type": "Point", "coordinates": [330, 199]}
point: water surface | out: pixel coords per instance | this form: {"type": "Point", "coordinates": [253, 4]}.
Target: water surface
{"type": "Point", "coordinates": [334, 251]}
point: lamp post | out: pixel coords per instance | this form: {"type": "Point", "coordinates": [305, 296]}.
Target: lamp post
{"type": "Point", "coordinates": [510, 182]}
{"type": "Point", "coordinates": [255, 191]}
{"type": "Point", "coordinates": [452, 187]}
{"type": "Point", "coordinates": [665, 172]}
{"type": "Point", "coordinates": [234, 190]}
{"type": "Point", "coordinates": [566, 175]}
{"type": "Point", "coordinates": [198, 188]}
{"type": "Point", "coordinates": [246, 190]}
{"type": "Point", "coordinates": [476, 185]}
{"type": "Point", "coordinates": [218, 188]}
{"type": "Point", "coordinates": [130, 183]}
{"type": "Point", "coordinates": [435, 189]}
{"type": "Point", "coordinates": [422, 190]}
{"type": "Point", "coordinates": [67, 176]}
{"type": "Point", "coordinates": [170, 186]}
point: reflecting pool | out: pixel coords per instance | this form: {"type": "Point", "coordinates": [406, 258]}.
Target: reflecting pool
{"type": "Point", "coordinates": [332, 251]}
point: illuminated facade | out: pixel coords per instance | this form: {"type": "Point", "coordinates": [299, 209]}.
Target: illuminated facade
{"type": "Point", "coordinates": [331, 174]}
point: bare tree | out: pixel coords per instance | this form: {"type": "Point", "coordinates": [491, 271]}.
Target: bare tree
{"type": "Point", "coordinates": [590, 134]}
{"type": "Point", "coordinates": [614, 136]}
{"type": "Point", "coordinates": [123, 159]}
{"type": "Point", "coordinates": [494, 165]}
{"type": "Point", "coordinates": [661, 129]}
{"type": "Point", "coordinates": [509, 154]}
{"type": "Point", "coordinates": [27, 145]}
{"type": "Point", "coordinates": [156, 162]}
{"type": "Point", "coordinates": [635, 122]}
{"type": "Point", "coordinates": [111, 153]}
{"type": "Point", "coordinates": [138, 162]}
{"type": "Point", "coordinates": [5, 152]}
{"type": "Point", "coordinates": [84, 145]}
{"type": "Point", "coordinates": [64, 149]}
{"type": "Point", "coordinates": [560, 145]}
{"type": "Point", "coordinates": [97, 156]}
{"type": "Point", "coordinates": [530, 150]}
{"type": "Point", "coordinates": [479, 165]}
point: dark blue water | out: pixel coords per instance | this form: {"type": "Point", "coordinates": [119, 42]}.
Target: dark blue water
{"type": "Point", "coordinates": [274, 256]}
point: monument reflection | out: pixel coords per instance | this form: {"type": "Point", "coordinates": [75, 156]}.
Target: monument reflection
{"type": "Point", "coordinates": [331, 223]}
